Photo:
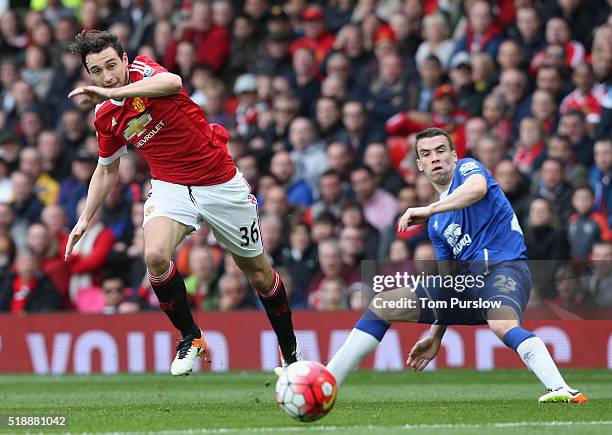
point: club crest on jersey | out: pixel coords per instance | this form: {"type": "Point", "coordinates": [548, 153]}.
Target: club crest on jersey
{"type": "Point", "coordinates": [453, 236]}
{"type": "Point", "coordinates": [138, 104]}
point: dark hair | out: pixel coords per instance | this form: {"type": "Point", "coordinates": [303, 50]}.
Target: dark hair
{"type": "Point", "coordinates": [561, 137]}
{"type": "Point", "coordinates": [432, 132]}
{"type": "Point", "coordinates": [330, 173]}
{"type": "Point", "coordinates": [362, 167]}
{"type": "Point", "coordinates": [109, 274]}
{"type": "Point", "coordinates": [95, 41]}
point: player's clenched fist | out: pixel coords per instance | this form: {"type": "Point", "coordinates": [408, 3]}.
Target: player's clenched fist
{"type": "Point", "coordinates": [414, 216]}
{"type": "Point", "coordinates": [75, 235]}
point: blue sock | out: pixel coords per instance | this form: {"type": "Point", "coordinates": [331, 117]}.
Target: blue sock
{"type": "Point", "coordinates": [372, 324]}
{"type": "Point", "coordinates": [516, 336]}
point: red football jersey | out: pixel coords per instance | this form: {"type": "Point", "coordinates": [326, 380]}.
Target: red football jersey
{"type": "Point", "coordinates": [171, 133]}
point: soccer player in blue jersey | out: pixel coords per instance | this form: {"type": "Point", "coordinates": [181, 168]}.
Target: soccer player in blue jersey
{"type": "Point", "coordinates": [474, 224]}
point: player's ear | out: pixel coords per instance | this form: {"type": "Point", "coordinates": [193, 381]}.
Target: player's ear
{"type": "Point", "coordinates": [125, 59]}
{"type": "Point", "coordinates": [454, 154]}
{"type": "Point", "coordinates": [419, 165]}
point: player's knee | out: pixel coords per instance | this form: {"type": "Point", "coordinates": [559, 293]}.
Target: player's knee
{"type": "Point", "coordinates": [501, 327]}
{"type": "Point", "coordinates": [157, 261]}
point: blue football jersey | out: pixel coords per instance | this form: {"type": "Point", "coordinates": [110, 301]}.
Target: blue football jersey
{"type": "Point", "coordinates": [486, 230]}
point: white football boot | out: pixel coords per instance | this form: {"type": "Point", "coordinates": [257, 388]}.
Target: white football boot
{"type": "Point", "coordinates": [563, 394]}
{"type": "Point", "coordinates": [298, 357]}
{"type": "Point", "coordinates": [187, 350]}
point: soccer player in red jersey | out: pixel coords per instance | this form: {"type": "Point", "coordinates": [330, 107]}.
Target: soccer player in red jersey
{"type": "Point", "coordinates": [194, 180]}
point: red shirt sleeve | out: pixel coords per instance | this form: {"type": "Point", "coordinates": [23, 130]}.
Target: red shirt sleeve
{"type": "Point", "coordinates": [143, 67]}
{"type": "Point", "coordinates": [109, 146]}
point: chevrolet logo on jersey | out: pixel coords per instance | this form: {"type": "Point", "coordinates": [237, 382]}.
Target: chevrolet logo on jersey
{"type": "Point", "coordinates": [137, 126]}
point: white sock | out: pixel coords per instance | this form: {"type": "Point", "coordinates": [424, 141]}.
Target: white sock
{"type": "Point", "coordinates": [357, 345]}
{"type": "Point", "coordinates": [535, 355]}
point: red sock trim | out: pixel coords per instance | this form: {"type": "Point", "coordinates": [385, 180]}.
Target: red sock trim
{"type": "Point", "coordinates": [165, 277]}
{"type": "Point", "coordinates": [272, 291]}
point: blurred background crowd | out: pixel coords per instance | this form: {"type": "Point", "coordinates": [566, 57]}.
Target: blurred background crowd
{"type": "Point", "coordinates": [322, 101]}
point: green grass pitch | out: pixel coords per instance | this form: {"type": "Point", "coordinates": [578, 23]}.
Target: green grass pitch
{"type": "Point", "coordinates": [441, 402]}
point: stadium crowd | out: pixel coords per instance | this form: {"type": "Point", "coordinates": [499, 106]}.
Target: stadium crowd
{"type": "Point", "coordinates": [322, 102]}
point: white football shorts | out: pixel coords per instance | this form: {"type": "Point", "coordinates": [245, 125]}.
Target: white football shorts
{"type": "Point", "coordinates": [228, 208]}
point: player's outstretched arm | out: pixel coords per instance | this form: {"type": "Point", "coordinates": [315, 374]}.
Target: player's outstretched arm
{"type": "Point", "coordinates": [471, 191]}
{"type": "Point", "coordinates": [160, 85]}
{"type": "Point", "coordinates": [426, 348]}
{"type": "Point", "coordinates": [101, 182]}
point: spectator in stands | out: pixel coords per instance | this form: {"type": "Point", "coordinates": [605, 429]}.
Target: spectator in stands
{"type": "Point", "coordinates": [55, 159]}
{"type": "Point", "coordinates": [351, 215]}
{"type": "Point", "coordinates": [437, 42]}
{"type": "Point", "coordinates": [308, 152]}
{"type": "Point", "coordinates": [544, 109]}
{"type": "Point", "coordinates": [212, 42]}
{"type": "Point", "coordinates": [331, 266]}
{"type": "Point", "coordinates": [284, 110]}
{"type": "Point", "coordinates": [117, 298]}
{"type": "Point", "coordinates": [202, 284]}
{"type": "Point", "coordinates": [587, 96]}
{"type": "Point", "coordinates": [553, 186]}
{"type": "Point", "coordinates": [598, 286]}
{"type": "Point", "coordinates": [332, 296]}
{"type": "Point", "coordinates": [379, 206]}
{"type": "Point", "coordinates": [298, 191]}
{"type": "Point", "coordinates": [50, 254]}
{"type": "Point", "coordinates": [515, 187]}
{"type": "Point", "coordinates": [585, 227]}
{"type": "Point", "coordinates": [6, 185]}
{"type": "Point", "coordinates": [559, 147]}
{"type": "Point", "coordinates": [568, 287]}
{"type": "Point", "coordinates": [489, 151]}
{"type": "Point", "coordinates": [600, 177]}
{"type": "Point", "coordinates": [73, 129]}
{"type": "Point", "coordinates": [90, 254]}
{"type": "Point", "coordinates": [376, 157]}
{"type": "Point", "coordinates": [482, 33]}
{"type": "Point", "coordinates": [340, 159]}
{"type": "Point", "coordinates": [26, 205]}
{"type": "Point", "coordinates": [388, 91]}
{"type": "Point", "coordinates": [28, 290]}
{"type": "Point", "coordinates": [573, 125]}
{"type": "Point", "coordinates": [74, 188]}
{"type": "Point", "coordinates": [475, 129]}
{"type": "Point", "coordinates": [272, 237]}
{"type": "Point", "coordinates": [529, 145]}
{"type": "Point", "coordinates": [352, 246]}
{"type": "Point", "coordinates": [328, 117]}
{"type": "Point", "coordinates": [300, 261]}
{"type": "Point", "coordinates": [330, 187]}
{"type": "Point", "coordinates": [54, 218]}
{"type": "Point", "coordinates": [316, 37]}
{"type": "Point", "coordinates": [303, 79]}
{"type": "Point", "coordinates": [513, 90]}
{"type": "Point", "coordinates": [233, 293]}
{"type": "Point", "coordinates": [545, 240]}
{"type": "Point", "coordinates": [46, 188]}
{"type": "Point", "coordinates": [7, 252]}
{"type": "Point", "coordinates": [529, 31]}
{"type": "Point", "coordinates": [494, 113]}
{"type": "Point", "coordinates": [357, 132]}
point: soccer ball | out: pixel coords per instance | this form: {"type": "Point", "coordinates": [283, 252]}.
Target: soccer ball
{"type": "Point", "coordinates": [306, 391]}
